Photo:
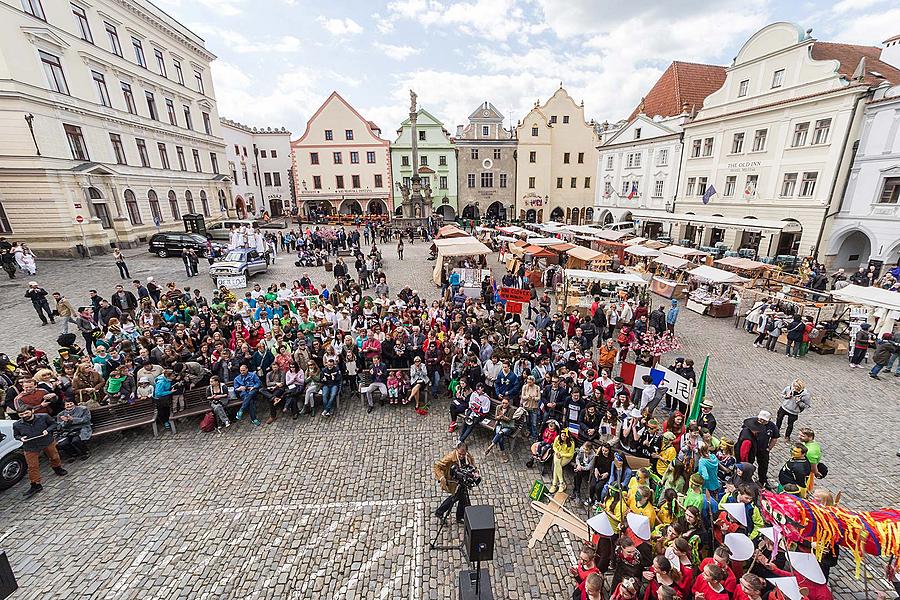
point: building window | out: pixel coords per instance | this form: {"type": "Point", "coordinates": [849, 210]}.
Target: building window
{"type": "Point", "coordinates": [801, 130]}
{"type": "Point", "coordinates": [114, 46]}
{"type": "Point", "coordinates": [354, 179]}
{"type": "Point", "coordinates": [354, 158]}
{"type": "Point", "coordinates": [737, 143]}
{"type": "Point", "coordinates": [730, 185]}
{"type": "Point", "coordinates": [214, 162]}
{"type": "Point", "coordinates": [142, 152]}
{"type": "Point", "coordinates": [701, 185]}
{"type": "Point", "coordinates": [421, 136]}
{"type": "Point", "coordinates": [820, 131]}
{"type": "Point", "coordinates": [151, 105]}
{"type": "Point", "coordinates": [348, 134]}
{"type": "Point", "coordinates": [607, 189]}
{"type": "Point", "coordinates": [532, 157]}
{"type": "Point", "coordinates": [626, 187]}
{"type": "Point", "coordinates": [118, 149]}
{"type": "Point", "coordinates": [313, 158]}
{"type": "Point", "coordinates": [273, 153]}
{"type": "Point", "coordinates": [788, 184]}
{"type": "Point", "coordinates": [198, 166]}
{"type": "Point", "coordinates": [890, 191]}
{"type": "Point", "coordinates": [707, 147]}
{"type": "Point", "coordinates": [84, 28]}
{"type": "Point", "coordinates": [534, 131]}
{"type": "Point", "coordinates": [329, 135]}
{"type": "Point", "coordinates": [587, 182]}
{"type": "Point", "coordinates": [339, 182]}
{"type": "Point", "coordinates": [637, 133]}
{"type": "Point", "coordinates": [170, 111]}
{"type": "Point", "coordinates": [164, 155]}
{"type": "Point", "coordinates": [370, 157]}
{"type": "Point", "coordinates": [173, 205]}
{"type": "Point", "coordinates": [658, 188]}
{"type": "Point", "coordinates": [205, 202]}
{"type": "Point", "coordinates": [188, 121]}
{"type": "Point", "coordinates": [34, 8]}
{"type": "Point", "coordinates": [487, 179]}
{"type": "Point", "coordinates": [53, 69]}
{"type": "Point", "coordinates": [565, 119]}
{"type": "Point", "coordinates": [573, 182]}
{"type": "Point", "coordinates": [317, 182]}
{"type": "Point", "coordinates": [160, 62]}
{"type": "Point", "coordinates": [559, 183]}
{"type": "Point", "coordinates": [207, 125]}
{"type": "Point", "coordinates": [442, 182]}
{"type": "Point", "coordinates": [246, 182]}
{"type": "Point", "coordinates": [485, 131]}
{"type": "Point", "coordinates": [633, 160]}
{"type": "Point", "coordinates": [131, 205]}
{"type": "Point", "coordinates": [552, 119]}
{"type": "Point", "coordinates": [76, 142]}
{"type": "Point", "coordinates": [337, 158]}
{"type": "Point", "coordinates": [423, 161]}
{"type": "Point", "coordinates": [778, 78]}
{"type": "Point", "coordinates": [473, 153]}
{"type": "Point", "coordinates": [102, 90]}
{"type": "Point", "coordinates": [662, 157]}
{"type": "Point", "coordinates": [404, 161]}
{"type": "Point", "coordinates": [182, 164]}
{"type": "Point", "coordinates": [442, 160]}
{"type": "Point", "coordinates": [129, 98]}
{"type": "Point", "coordinates": [267, 179]}
{"type": "Point", "coordinates": [743, 87]}
{"type": "Point", "coordinates": [179, 74]}
{"type": "Point", "coordinates": [470, 180]}
{"type": "Point", "coordinates": [691, 184]}
{"type": "Point", "coordinates": [496, 153]}
{"type": "Point", "coordinates": [189, 200]}
{"type": "Point", "coordinates": [138, 52]}
{"type": "Point", "coordinates": [378, 180]}
{"type": "Point", "coordinates": [759, 140]}
{"type": "Point", "coordinates": [808, 185]}
{"type": "Point", "coordinates": [609, 163]}
{"type": "Point", "coordinates": [531, 183]}
{"type": "Point", "coordinates": [155, 210]}
{"type": "Point", "coordinates": [198, 79]}
{"type": "Point", "coordinates": [751, 185]}
{"type": "Point", "coordinates": [502, 180]}
{"type": "Point", "coordinates": [565, 158]}
{"type": "Point", "coordinates": [695, 148]}
{"type": "Point", "coordinates": [581, 158]}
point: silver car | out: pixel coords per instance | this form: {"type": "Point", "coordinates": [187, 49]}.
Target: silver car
{"type": "Point", "coordinates": [239, 261]}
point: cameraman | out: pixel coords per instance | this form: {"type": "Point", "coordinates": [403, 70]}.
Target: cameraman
{"type": "Point", "coordinates": [444, 471]}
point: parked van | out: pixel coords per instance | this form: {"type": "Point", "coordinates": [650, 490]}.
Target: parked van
{"type": "Point", "coordinates": [222, 229]}
{"type": "Point", "coordinates": [626, 226]}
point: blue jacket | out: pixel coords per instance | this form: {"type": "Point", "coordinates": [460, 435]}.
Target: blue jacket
{"type": "Point", "coordinates": [507, 384]}
{"type": "Point", "coordinates": [709, 469]}
{"type": "Point", "coordinates": [250, 380]}
{"type": "Point", "coordinates": [162, 387]}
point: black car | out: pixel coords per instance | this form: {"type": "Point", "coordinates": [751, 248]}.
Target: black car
{"type": "Point", "coordinates": [168, 243]}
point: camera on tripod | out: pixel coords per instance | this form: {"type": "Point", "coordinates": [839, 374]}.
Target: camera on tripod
{"type": "Point", "coordinates": [465, 475]}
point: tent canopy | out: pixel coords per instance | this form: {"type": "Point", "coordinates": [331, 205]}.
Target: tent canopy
{"type": "Point", "coordinates": [672, 261]}
{"type": "Point", "coordinates": [683, 252]}
{"type": "Point", "coordinates": [715, 275]}
{"type": "Point", "coordinates": [745, 264]}
{"type": "Point", "coordinates": [629, 278]}
{"type": "Point", "coordinates": [450, 231]}
{"type": "Point", "coordinates": [539, 252]}
{"type": "Point", "coordinates": [585, 254]}
{"type": "Point", "coordinates": [610, 235]}
{"type": "Point", "coordinates": [870, 296]}
{"type": "Point", "coordinates": [635, 240]}
{"type": "Point", "coordinates": [639, 250]}
{"type": "Point", "coordinates": [544, 241]}
{"type": "Point", "coordinates": [562, 247]}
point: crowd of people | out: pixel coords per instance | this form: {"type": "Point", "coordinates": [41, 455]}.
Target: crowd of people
{"type": "Point", "coordinates": [549, 378]}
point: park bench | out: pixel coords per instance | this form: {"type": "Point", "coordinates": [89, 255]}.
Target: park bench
{"type": "Point", "coordinates": [119, 417]}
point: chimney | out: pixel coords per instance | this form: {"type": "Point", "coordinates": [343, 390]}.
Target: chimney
{"type": "Point", "coordinates": [459, 131]}
{"type": "Point", "coordinates": [890, 51]}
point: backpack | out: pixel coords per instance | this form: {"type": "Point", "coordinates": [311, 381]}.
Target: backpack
{"type": "Point", "coordinates": [208, 422]}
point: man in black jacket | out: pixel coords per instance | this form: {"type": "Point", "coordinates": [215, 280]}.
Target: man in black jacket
{"type": "Point", "coordinates": [38, 297]}
{"type": "Point", "coordinates": [124, 300]}
{"type": "Point", "coordinates": [35, 431]}
{"type": "Point", "coordinates": [794, 330]}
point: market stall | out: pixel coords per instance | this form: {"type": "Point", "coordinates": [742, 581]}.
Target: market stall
{"type": "Point", "coordinates": [465, 253]}
{"type": "Point", "coordinates": [580, 257]}
{"type": "Point", "coordinates": [875, 305]}
{"type": "Point", "coordinates": [636, 253]}
{"type": "Point", "coordinates": [669, 276]}
{"type": "Point", "coordinates": [712, 294]}
{"type": "Point", "coordinates": [450, 231]}
{"type": "Point", "coordinates": [745, 267]}
{"type": "Point", "coordinates": [579, 287]}
{"type": "Point", "coordinates": [691, 254]}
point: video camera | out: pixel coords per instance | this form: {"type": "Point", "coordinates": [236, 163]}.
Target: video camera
{"type": "Point", "coordinates": [465, 475]}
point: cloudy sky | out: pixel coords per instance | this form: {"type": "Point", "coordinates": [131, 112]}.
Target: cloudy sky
{"type": "Point", "coordinates": [279, 59]}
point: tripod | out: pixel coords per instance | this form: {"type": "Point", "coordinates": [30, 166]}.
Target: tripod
{"type": "Point", "coordinates": [461, 494]}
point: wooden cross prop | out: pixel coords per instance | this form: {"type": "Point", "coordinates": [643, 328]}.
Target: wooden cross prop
{"type": "Point", "coordinates": [555, 513]}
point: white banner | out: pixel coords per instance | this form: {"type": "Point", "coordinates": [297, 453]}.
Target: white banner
{"type": "Point", "coordinates": [235, 282]}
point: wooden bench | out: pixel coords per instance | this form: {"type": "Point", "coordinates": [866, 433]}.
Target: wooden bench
{"type": "Point", "coordinates": [196, 403]}
{"type": "Point", "coordinates": [119, 417]}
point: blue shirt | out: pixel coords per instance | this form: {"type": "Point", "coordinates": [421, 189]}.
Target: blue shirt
{"type": "Point", "coordinates": [250, 380]}
{"type": "Point", "coordinates": [162, 387]}
{"type": "Point", "coordinates": [672, 315]}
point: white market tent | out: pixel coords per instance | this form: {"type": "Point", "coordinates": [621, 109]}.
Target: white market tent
{"type": "Point", "coordinates": [683, 252]}
{"type": "Point", "coordinates": [672, 261]}
{"type": "Point", "coordinates": [635, 240]}
{"type": "Point", "coordinates": [452, 247]}
{"type": "Point", "coordinates": [544, 241]}
{"type": "Point", "coordinates": [638, 250]}
{"type": "Point", "coordinates": [585, 254]}
{"type": "Point", "coordinates": [869, 296]}
{"type": "Point", "coordinates": [629, 278]}
{"type": "Point", "coordinates": [715, 275]}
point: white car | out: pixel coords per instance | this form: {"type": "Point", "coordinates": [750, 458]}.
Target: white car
{"type": "Point", "coordinates": [12, 462]}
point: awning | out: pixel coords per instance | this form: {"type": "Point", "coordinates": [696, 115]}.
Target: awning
{"type": "Point", "coordinates": [639, 250]}
{"type": "Point", "coordinates": [610, 235]}
{"type": "Point", "coordinates": [671, 261]}
{"type": "Point", "coordinates": [629, 278]}
{"type": "Point", "coordinates": [544, 241]}
{"type": "Point", "coordinates": [744, 264]}
{"type": "Point", "coordinates": [513, 230]}
{"type": "Point", "coordinates": [450, 231]}
{"type": "Point", "coordinates": [562, 247]}
{"type": "Point", "coordinates": [635, 240]}
{"type": "Point", "coordinates": [585, 254]}
{"type": "Point", "coordinates": [720, 222]}
{"type": "Point", "coordinates": [715, 275]}
{"type": "Point", "coordinates": [870, 296]}
{"type": "Point", "coordinates": [455, 241]}
{"type": "Point", "coordinates": [656, 245]}
{"type": "Point", "coordinates": [683, 252]}
{"type": "Point", "coordinates": [539, 252]}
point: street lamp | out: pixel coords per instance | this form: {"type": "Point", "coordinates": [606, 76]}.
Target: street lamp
{"type": "Point", "coordinates": [29, 118]}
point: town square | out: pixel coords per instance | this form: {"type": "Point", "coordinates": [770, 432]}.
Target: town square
{"type": "Point", "coordinates": [535, 338]}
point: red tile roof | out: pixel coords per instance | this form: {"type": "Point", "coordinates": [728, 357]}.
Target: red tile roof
{"type": "Point", "coordinates": [681, 83]}
{"type": "Point", "coordinates": [849, 56]}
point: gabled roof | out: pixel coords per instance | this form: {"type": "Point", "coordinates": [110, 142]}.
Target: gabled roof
{"type": "Point", "coordinates": [849, 55]}
{"type": "Point", "coordinates": [492, 113]}
{"type": "Point", "coordinates": [682, 83]}
{"type": "Point", "coordinates": [335, 96]}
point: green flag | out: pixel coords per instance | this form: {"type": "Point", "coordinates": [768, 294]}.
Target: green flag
{"type": "Point", "coordinates": [699, 393]}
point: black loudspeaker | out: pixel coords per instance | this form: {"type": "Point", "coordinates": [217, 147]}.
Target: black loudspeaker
{"type": "Point", "coordinates": [8, 583]}
{"type": "Point", "coordinates": [471, 587]}
{"type": "Point", "coordinates": [479, 540]}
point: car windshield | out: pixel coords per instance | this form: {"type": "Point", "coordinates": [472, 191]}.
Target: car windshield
{"type": "Point", "coordinates": [234, 256]}
{"type": "Point", "coordinates": [197, 238]}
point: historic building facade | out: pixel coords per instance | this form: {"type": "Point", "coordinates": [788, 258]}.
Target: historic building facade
{"type": "Point", "coordinates": [486, 163]}
{"type": "Point", "coordinates": [437, 163]}
{"type": "Point", "coordinates": [259, 162]}
{"type": "Point", "coordinates": [770, 150]}
{"type": "Point", "coordinates": [866, 225]}
{"type": "Point", "coordinates": [639, 162]}
{"type": "Point", "coordinates": [556, 162]}
{"type": "Point", "coordinates": [341, 164]}
{"type": "Point", "coordinates": [110, 126]}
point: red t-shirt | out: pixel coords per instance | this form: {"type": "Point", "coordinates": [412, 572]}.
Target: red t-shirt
{"type": "Point", "coordinates": [702, 587]}
{"type": "Point", "coordinates": [730, 582]}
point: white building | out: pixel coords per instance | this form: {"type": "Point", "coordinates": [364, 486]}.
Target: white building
{"type": "Point", "coordinates": [639, 161]}
{"type": "Point", "coordinates": [259, 161]}
{"type": "Point", "coordinates": [774, 142]}
{"type": "Point", "coordinates": [866, 225]}
{"type": "Point", "coordinates": [108, 118]}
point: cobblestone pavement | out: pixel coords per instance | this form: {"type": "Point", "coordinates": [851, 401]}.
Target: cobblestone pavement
{"type": "Point", "coordinates": [342, 508]}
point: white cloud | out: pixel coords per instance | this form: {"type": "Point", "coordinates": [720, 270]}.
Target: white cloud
{"type": "Point", "coordinates": [845, 6]}
{"type": "Point", "coordinates": [238, 42]}
{"type": "Point", "coordinates": [871, 29]}
{"type": "Point", "coordinates": [489, 19]}
{"type": "Point", "coordinates": [397, 52]}
{"type": "Point", "coordinates": [340, 27]}
{"type": "Point", "coordinates": [383, 24]}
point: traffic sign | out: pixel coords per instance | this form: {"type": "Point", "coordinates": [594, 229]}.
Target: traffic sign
{"type": "Point", "coordinates": [79, 220]}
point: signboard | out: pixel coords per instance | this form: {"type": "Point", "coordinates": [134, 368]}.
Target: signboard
{"type": "Point", "coordinates": [235, 282]}
{"type": "Point", "coordinates": [79, 220]}
{"type": "Point", "coordinates": [537, 490]}
{"type": "Point", "coordinates": [515, 294]}
{"type": "Point", "coordinates": [514, 307]}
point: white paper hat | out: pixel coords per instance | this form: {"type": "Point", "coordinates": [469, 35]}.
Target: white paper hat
{"type": "Point", "coordinates": [788, 586]}
{"type": "Point", "coordinates": [737, 510]}
{"type": "Point", "coordinates": [807, 565]}
{"type": "Point", "coordinates": [640, 525]}
{"type": "Point", "coordinates": [740, 545]}
{"type": "Point", "coordinates": [600, 523]}
{"type": "Point", "coordinates": [769, 532]}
